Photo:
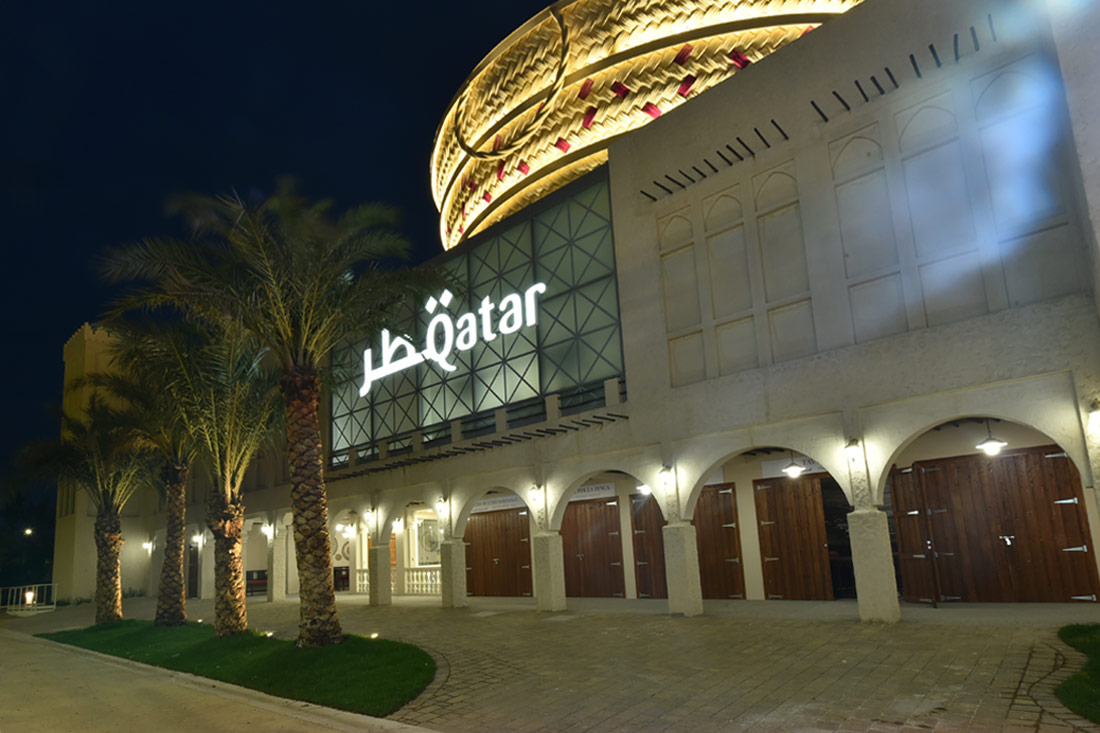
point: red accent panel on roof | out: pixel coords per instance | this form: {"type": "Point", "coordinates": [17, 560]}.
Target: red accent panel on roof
{"type": "Point", "coordinates": [652, 110]}
{"type": "Point", "coordinates": [685, 85]}
{"type": "Point", "coordinates": [589, 116]}
{"type": "Point", "coordinates": [682, 56]}
{"type": "Point", "coordinates": [620, 89]}
{"type": "Point", "coordinates": [586, 89]}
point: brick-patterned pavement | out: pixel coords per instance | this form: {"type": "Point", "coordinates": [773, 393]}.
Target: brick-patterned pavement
{"type": "Point", "coordinates": [778, 666]}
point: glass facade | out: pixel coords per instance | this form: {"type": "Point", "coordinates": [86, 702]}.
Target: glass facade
{"type": "Point", "coordinates": [564, 242]}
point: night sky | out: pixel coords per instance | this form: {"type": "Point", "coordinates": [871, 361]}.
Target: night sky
{"type": "Point", "coordinates": [106, 109]}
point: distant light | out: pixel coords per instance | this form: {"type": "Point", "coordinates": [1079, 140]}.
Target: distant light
{"type": "Point", "coordinates": [269, 633]}
{"type": "Point", "coordinates": [644, 490]}
{"type": "Point", "coordinates": [794, 470]}
{"type": "Point", "coordinates": [28, 531]}
{"type": "Point", "coordinates": [374, 635]}
{"type": "Point", "coordinates": [148, 546]}
{"type": "Point", "coordinates": [268, 530]}
{"type": "Point", "coordinates": [198, 620]}
{"type": "Point", "coordinates": [29, 596]}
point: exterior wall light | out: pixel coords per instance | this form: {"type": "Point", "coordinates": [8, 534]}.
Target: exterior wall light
{"type": "Point", "coordinates": [268, 530]}
{"type": "Point", "coordinates": [990, 446]}
{"type": "Point", "coordinates": [349, 532]}
{"type": "Point", "coordinates": [198, 540]}
{"type": "Point", "coordinates": [148, 546]}
{"type": "Point", "coordinates": [644, 490]}
{"type": "Point", "coordinates": [28, 531]}
{"type": "Point", "coordinates": [29, 597]}
{"type": "Point", "coordinates": [534, 493]}
{"type": "Point", "coordinates": [852, 447]}
{"type": "Point", "coordinates": [794, 469]}
{"type": "Point", "coordinates": [440, 507]}
{"type": "Point", "coordinates": [398, 525]}
{"type": "Point", "coordinates": [667, 477]}
{"type": "Point", "coordinates": [1094, 416]}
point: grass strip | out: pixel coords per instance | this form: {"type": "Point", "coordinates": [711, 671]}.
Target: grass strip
{"type": "Point", "coordinates": [369, 676]}
{"type": "Point", "coordinates": [1081, 692]}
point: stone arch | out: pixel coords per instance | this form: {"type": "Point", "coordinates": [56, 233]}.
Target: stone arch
{"type": "Point", "coordinates": [648, 477]}
{"type": "Point", "coordinates": [1043, 407]}
{"type": "Point", "coordinates": [463, 515]}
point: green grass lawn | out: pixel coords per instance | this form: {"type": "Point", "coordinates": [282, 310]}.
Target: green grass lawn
{"type": "Point", "coordinates": [370, 676]}
{"type": "Point", "coordinates": [1081, 692]}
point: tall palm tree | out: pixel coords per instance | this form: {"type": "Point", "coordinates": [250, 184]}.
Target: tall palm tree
{"type": "Point", "coordinates": [230, 405]}
{"type": "Point", "coordinates": [97, 452]}
{"type": "Point", "coordinates": [302, 283]}
{"type": "Point", "coordinates": [148, 356]}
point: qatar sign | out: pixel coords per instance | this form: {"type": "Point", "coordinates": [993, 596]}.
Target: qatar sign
{"type": "Point", "coordinates": [446, 334]}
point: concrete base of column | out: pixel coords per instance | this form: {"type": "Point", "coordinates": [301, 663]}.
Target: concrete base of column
{"type": "Point", "coordinates": [452, 573]}
{"type": "Point", "coordinates": [381, 592]}
{"type": "Point", "coordinates": [276, 564]}
{"type": "Point", "coordinates": [206, 567]}
{"type": "Point", "coordinates": [549, 576]}
{"type": "Point", "coordinates": [873, 562]}
{"type": "Point", "coordinates": [685, 593]}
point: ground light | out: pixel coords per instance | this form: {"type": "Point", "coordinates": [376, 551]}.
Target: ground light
{"type": "Point", "coordinates": [990, 446]}
{"type": "Point", "coordinates": [793, 469]}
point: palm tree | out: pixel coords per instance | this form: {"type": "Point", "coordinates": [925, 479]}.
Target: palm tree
{"type": "Point", "coordinates": [302, 284]}
{"type": "Point", "coordinates": [230, 406]}
{"type": "Point", "coordinates": [148, 358]}
{"type": "Point", "coordinates": [97, 452]}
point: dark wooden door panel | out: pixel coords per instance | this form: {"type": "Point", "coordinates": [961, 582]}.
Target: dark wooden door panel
{"type": "Point", "coordinates": [649, 546]}
{"type": "Point", "coordinates": [914, 549]}
{"type": "Point", "coordinates": [1008, 527]}
{"type": "Point", "coordinates": [795, 553]}
{"type": "Point", "coordinates": [498, 554]}
{"type": "Point", "coordinates": [718, 539]}
{"type": "Point", "coordinates": [592, 545]}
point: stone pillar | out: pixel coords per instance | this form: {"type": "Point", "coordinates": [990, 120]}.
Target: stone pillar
{"type": "Point", "coordinates": [206, 567]}
{"type": "Point", "coordinates": [452, 573]}
{"type": "Point", "coordinates": [381, 592]}
{"type": "Point", "coordinates": [549, 575]}
{"type": "Point", "coordinates": [685, 592]}
{"type": "Point", "coordinates": [276, 563]}
{"type": "Point", "coordinates": [873, 561]}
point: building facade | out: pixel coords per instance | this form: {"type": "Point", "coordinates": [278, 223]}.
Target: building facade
{"type": "Point", "coordinates": [745, 344]}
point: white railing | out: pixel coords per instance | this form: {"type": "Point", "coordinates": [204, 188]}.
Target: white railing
{"type": "Point", "coordinates": [362, 580]}
{"type": "Point", "coordinates": [422, 582]}
{"type": "Point", "coordinates": [24, 600]}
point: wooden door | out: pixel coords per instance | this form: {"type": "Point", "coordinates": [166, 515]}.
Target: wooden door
{"type": "Point", "coordinates": [649, 546]}
{"type": "Point", "coordinates": [792, 538]}
{"type": "Point", "coordinates": [592, 544]}
{"type": "Point", "coordinates": [498, 554]}
{"type": "Point", "coordinates": [719, 541]}
{"type": "Point", "coordinates": [914, 545]}
{"type": "Point", "coordinates": [1008, 528]}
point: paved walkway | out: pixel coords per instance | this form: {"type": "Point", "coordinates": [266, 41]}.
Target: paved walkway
{"type": "Point", "coordinates": [760, 666]}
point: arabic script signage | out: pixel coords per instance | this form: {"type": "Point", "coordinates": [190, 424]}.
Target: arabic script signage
{"type": "Point", "coordinates": [446, 334]}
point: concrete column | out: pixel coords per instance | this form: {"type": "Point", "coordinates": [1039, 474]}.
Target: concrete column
{"type": "Point", "coordinates": [276, 564]}
{"type": "Point", "coordinates": [873, 561]}
{"type": "Point", "coordinates": [290, 552]}
{"type": "Point", "coordinates": [206, 567]}
{"type": "Point", "coordinates": [452, 573]}
{"type": "Point", "coordinates": [685, 592]}
{"type": "Point", "coordinates": [549, 572]}
{"type": "Point", "coordinates": [381, 593]}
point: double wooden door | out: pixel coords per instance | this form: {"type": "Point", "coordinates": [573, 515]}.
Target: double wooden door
{"type": "Point", "coordinates": [498, 554]}
{"type": "Point", "coordinates": [793, 540]}
{"type": "Point", "coordinates": [993, 529]}
{"type": "Point", "coordinates": [719, 542]}
{"type": "Point", "coordinates": [649, 546]}
{"type": "Point", "coordinates": [592, 545]}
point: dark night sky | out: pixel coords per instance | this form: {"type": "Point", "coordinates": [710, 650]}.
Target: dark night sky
{"type": "Point", "coordinates": [108, 108]}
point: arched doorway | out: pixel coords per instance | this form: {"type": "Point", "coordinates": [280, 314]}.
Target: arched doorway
{"type": "Point", "coordinates": [498, 546]}
{"type": "Point", "coordinates": [985, 510]}
{"type": "Point", "coordinates": [346, 556]}
{"type": "Point", "coordinates": [772, 523]}
{"type": "Point", "coordinates": [416, 550]}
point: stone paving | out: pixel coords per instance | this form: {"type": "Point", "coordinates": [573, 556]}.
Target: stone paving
{"type": "Point", "coordinates": [756, 666]}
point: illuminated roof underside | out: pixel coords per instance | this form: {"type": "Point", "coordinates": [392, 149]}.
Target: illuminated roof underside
{"type": "Point", "coordinates": [542, 107]}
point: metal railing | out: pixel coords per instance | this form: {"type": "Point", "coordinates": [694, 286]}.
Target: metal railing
{"type": "Point", "coordinates": [24, 600]}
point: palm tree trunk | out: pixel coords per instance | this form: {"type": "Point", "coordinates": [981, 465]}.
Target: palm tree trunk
{"type": "Point", "coordinates": [172, 597]}
{"type": "Point", "coordinates": [108, 581]}
{"type": "Point", "coordinates": [226, 522]}
{"type": "Point", "coordinates": [318, 623]}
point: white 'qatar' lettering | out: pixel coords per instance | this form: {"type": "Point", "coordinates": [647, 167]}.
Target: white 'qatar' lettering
{"type": "Point", "coordinates": [445, 334]}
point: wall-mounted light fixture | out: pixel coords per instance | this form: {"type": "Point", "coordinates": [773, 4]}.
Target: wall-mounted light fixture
{"type": "Point", "coordinates": [990, 446]}
{"type": "Point", "coordinates": [440, 507]}
{"type": "Point", "coordinates": [852, 447]}
{"type": "Point", "coordinates": [398, 525]}
{"type": "Point", "coordinates": [198, 540]}
{"type": "Point", "coordinates": [644, 490]}
{"type": "Point", "coordinates": [148, 547]}
{"type": "Point", "coordinates": [793, 469]}
{"type": "Point", "coordinates": [667, 477]}
{"type": "Point", "coordinates": [268, 530]}
{"type": "Point", "coordinates": [1094, 416]}
{"type": "Point", "coordinates": [534, 493]}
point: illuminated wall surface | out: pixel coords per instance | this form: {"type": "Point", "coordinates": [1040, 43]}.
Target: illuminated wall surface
{"type": "Point", "coordinates": [575, 345]}
{"type": "Point", "coordinates": [542, 107]}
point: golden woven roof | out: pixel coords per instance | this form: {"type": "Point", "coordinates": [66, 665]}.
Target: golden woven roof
{"type": "Point", "coordinates": [542, 107]}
